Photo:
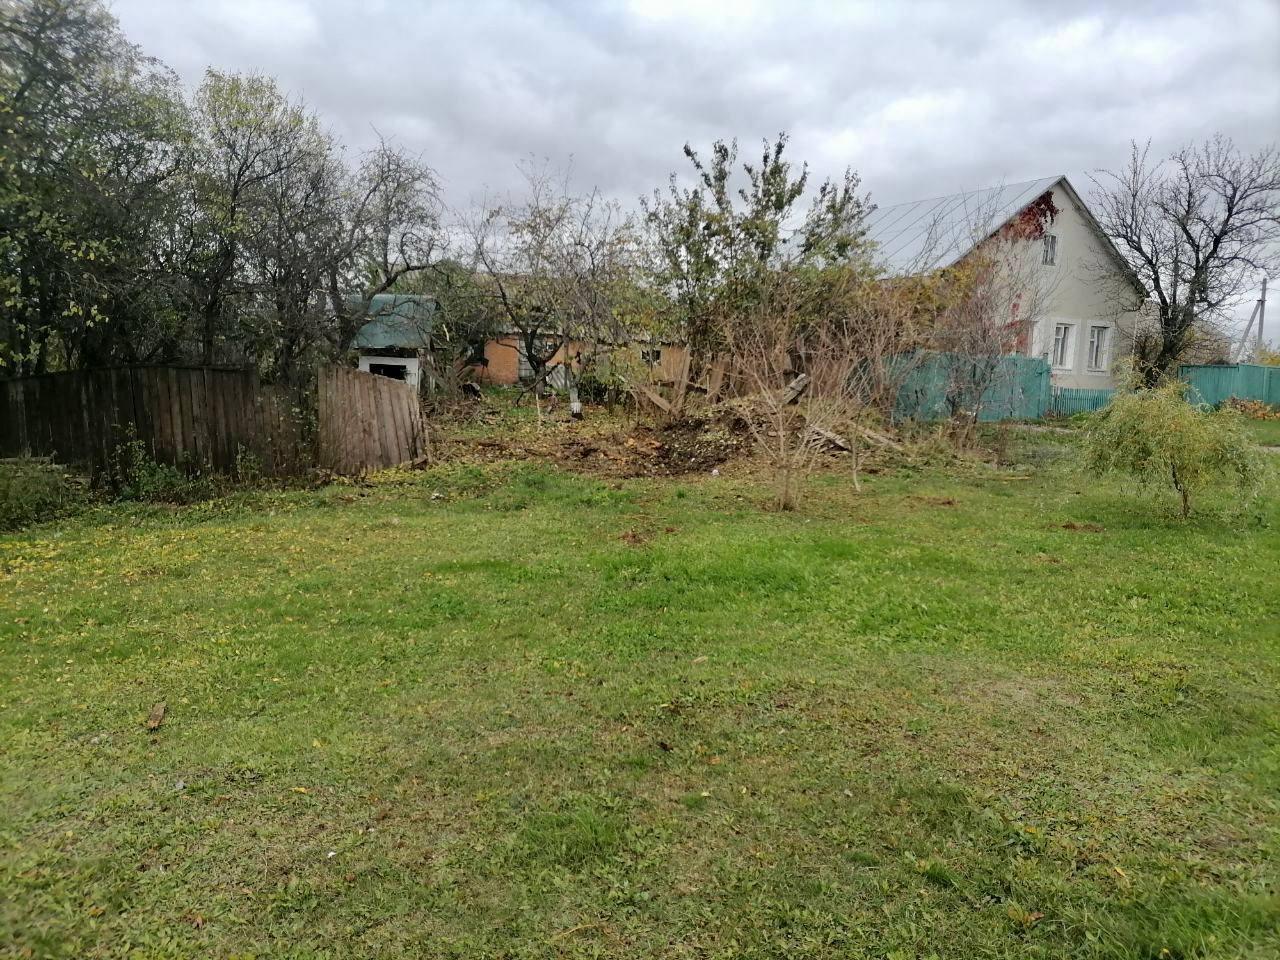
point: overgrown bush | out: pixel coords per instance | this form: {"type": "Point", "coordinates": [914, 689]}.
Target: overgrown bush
{"type": "Point", "coordinates": [33, 490]}
{"type": "Point", "coordinates": [134, 475]}
{"type": "Point", "coordinates": [1159, 438]}
{"type": "Point", "coordinates": [1254, 409]}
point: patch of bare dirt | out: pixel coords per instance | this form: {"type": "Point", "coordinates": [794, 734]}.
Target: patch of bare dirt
{"type": "Point", "coordinates": [1083, 527]}
{"type": "Point", "coordinates": [936, 501]}
{"type": "Point", "coordinates": [680, 448]}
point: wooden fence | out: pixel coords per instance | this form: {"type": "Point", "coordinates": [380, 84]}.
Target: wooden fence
{"type": "Point", "coordinates": [197, 418]}
{"type": "Point", "coordinates": [206, 418]}
{"type": "Point", "coordinates": [366, 422]}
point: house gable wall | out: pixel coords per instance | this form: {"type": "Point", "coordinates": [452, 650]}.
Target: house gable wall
{"type": "Point", "coordinates": [1089, 289]}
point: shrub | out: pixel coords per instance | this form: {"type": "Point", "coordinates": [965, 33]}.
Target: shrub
{"type": "Point", "coordinates": [1254, 409]}
{"type": "Point", "coordinates": [134, 475]}
{"type": "Point", "coordinates": [1156, 436]}
{"type": "Point", "coordinates": [32, 490]}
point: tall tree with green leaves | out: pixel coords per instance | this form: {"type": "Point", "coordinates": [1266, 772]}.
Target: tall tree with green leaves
{"type": "Point", "coordinates": [93, 137]}
{"type": "Point", "coordinates": [714, 245]}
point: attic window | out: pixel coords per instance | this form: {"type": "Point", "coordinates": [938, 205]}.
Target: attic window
{"type": "Point", "coordinates": [1050, 256]}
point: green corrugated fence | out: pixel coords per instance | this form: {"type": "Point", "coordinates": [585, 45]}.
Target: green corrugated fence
{"type": "Point", "coordinates": [1001, 388]}
{"type": "Point", "coordinates": [1066, 401]}
{"type": "Point", "coordinates": [1214, 383]}
{"type": "Point", "coordinates": [940, 385]}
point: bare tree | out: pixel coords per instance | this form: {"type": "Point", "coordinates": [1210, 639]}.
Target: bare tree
{"type": "Point", "coordinates": [989, 304]}
{"type": "Point", "coordinates": [1198, 230]}
{"type": "Point", "coordinates": [774, 359]}
{"type": "Point", "coordinates": [392, 228]}
{"type": "Point", "coordinates": [558, 265]}
{"type": "Point", "coordinates": [862, 353]}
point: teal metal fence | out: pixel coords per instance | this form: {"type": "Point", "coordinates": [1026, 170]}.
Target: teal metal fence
{"type": "Point", "coordinates": [1214, 383]}
{"type": "Point", "coordinates": [1068, 401]}
{"type": "Point", "coordinates": [940, 385]}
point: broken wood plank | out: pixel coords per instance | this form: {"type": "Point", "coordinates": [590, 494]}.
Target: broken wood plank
{"type": "Point", "coordinates": [157, 716]}
{"type": "Point", "coordinates": [715, 380]}
{"type": "Point", "coordinates": [841, 443]}
{"type": "Point", "coordinates": [655, 398]}
{"type": "Point", "coordinates": [837, 441]}
{"type": "Point", "coordinates": [682, 382]}
{"type": "Point", "coordinates": [796, 387]}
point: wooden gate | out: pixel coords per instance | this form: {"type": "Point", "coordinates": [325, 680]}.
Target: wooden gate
{"type": "Point", "coordinates": [366, 422]}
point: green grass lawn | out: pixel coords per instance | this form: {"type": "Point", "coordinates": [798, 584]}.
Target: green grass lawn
{"type": "Point", "coordinates": [507, 711]}
{"type": "Point", "coordinates": [1265, 432]}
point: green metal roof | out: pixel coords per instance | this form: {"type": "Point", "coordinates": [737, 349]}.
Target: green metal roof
{"type": "Point", "coordinates": [400, 320]}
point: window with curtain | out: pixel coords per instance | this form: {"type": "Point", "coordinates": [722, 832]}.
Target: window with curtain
{"type": "Point", "coordinates": [1062, 345]}
{"type": "Point", "coordinates": [1098, 347]}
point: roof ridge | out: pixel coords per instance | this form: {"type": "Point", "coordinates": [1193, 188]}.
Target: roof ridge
{"type": "Point", "coordinates": [964, 193]}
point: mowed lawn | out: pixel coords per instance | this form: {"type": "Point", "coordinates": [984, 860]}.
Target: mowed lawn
{"type": "Point", "coordinates": [1264, 432]}
{"type": "Point", "coordinates": [507, 711]}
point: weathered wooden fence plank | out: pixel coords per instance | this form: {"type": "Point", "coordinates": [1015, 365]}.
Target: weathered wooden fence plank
{"type": "Point", "coordinates": [365, 422]}
{"type": "Point", "coordinates": [202, 418]}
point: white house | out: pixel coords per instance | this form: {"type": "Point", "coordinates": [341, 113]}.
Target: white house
{"type": "Point", "coordinates": [1091, 299]}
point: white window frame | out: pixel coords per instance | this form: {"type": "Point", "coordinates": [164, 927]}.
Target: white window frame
{"type": "Point", "coordinates": [412, 366]}
{"type": "Point", "coordinates": [1049, 251]}
{"type": "Point", "coordinates": [1068, 344]}
{"type": "Point", "coordinates": [1104, 351]}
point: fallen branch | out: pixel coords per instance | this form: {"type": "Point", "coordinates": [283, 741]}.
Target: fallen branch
{"type": "Point", "coordinates": [655, 398]}
{"type": "Point", "coordinates": [578, 929]}
{"type": "Point", "coordinates": [879, 438]}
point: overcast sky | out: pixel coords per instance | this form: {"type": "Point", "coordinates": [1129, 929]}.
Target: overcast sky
{"type": "Point", "coordinates": [921, 98]}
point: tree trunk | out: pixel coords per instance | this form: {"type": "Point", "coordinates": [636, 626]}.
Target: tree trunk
{"type": "Point", "coordinates": [1183, 492]}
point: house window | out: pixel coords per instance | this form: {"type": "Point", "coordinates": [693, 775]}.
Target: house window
{"type": "Point", "coordinates": [1062, 345]}
{"type": "Point", "coordinates": [544, 347]}
{"type": "Point", "coordinates": [1098, 347]}
{"type": "Point", "coordinates": [652, 357]}
{"type": "Point", "coordinates": [1050, 254]}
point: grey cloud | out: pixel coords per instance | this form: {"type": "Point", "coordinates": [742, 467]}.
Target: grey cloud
{"type": "Point", "coordinates": [922, 98]}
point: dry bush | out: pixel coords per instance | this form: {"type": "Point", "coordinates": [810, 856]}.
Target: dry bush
{"type": "Point", "coordinates": [815, 354]}
{"type": "Point", "coordinates": [987, 307]}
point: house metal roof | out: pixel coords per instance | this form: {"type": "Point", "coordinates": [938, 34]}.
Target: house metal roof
{"type": "Point", "coordinates": [399, 320]}
{"type": "Point", "coordinates": [931, 234]}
